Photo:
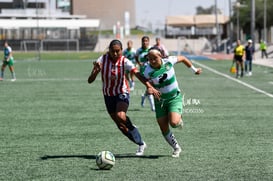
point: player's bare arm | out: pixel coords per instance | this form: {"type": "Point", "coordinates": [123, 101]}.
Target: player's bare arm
{"type": "Point", "coordinates": [150, 88]}
{"type": "Point", "coordinates": [187, 62]}
{"type": "Point", "coordinates": [95, 71]}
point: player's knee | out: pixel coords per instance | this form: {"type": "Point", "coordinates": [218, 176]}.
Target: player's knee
{"type": "Point", "coordinates": [121, 116]}
{"type": "Point", "coordinates": [175, 123]}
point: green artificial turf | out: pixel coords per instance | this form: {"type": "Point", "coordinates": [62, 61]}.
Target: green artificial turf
{"type": "Point", "coordinates": [53, 124]}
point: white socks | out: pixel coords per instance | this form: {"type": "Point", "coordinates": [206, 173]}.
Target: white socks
{"type": "Point", "coordinates": [170, 138]}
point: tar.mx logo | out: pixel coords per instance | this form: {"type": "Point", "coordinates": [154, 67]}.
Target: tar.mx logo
{"type": "Point", "coordinates": [192, 106]}
{"type": "Point", "coordinates": [191, 101]}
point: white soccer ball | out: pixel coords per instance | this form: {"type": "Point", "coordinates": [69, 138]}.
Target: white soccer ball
{"type": "Point", "coordinates": [105, 160]}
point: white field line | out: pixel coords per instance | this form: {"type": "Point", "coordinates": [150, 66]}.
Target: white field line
{"type": "Point", "coordinates": [48, 80]}
{"type": "Point", "coordinates": [234, 79]}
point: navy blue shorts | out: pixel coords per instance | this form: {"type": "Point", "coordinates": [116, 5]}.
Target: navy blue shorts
{"type": "Point", "coordinates": [112, 101]}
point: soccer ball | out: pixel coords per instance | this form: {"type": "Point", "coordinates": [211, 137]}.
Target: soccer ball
{"type": "Point", "coordinates": [105, 160]}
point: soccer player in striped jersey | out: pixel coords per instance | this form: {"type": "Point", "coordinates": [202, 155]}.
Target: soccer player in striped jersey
{"type": "Point", "coordinates": [8, 60]}
{"type": "Point", "coordinates": [141, 61]}
{"type": "Point", "coordinates": [113, 66]}
{"type": "Point", "coordinates": [160, 72]}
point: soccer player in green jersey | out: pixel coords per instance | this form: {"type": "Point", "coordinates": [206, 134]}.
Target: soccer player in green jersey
{"type": "Point", "coordinates": [160, 72]}
{"type": "Point", "coordinates": [8, 60]}
{"type": "Point", "coordinates": [130, 54]}
{"type": "Point", "coordinates": [141, 61]}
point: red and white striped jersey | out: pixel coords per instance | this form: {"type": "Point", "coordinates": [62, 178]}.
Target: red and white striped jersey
{"type": "Point", "coordinates": [113, 75]}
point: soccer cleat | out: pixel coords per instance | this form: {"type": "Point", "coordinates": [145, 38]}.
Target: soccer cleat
{"type": "Point", "coordinates": [1, 79]}
{"type": "Point", "coordinates": [176, 152]}
{"type": "Point", "coordinates": [250, 73]}
{"type": "Point", "coordinates": [141, 148]}
{"type": "Point", "coordinates": [13, 80]}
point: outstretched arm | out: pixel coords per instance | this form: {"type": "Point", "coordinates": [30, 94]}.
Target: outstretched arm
{"type": "Point", "coordinates": [94, 72]}
{"type": "Point", "coordinates": [188, 63]}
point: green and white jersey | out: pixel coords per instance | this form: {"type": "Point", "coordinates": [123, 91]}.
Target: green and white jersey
{"type": "Point", "coordinates": [7, 51]}
{"type": "Point", "coordinates": [163, 79]}
{"type": "Point", "coordinates": [130, 54]}
{"type": "Point", "coordinates": [141, 53]}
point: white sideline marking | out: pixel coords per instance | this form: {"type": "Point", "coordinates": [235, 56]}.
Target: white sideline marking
{"type": "Point", "coordinates": [47, 80]}
{"type": "Point", "coordinates": [234, 79]}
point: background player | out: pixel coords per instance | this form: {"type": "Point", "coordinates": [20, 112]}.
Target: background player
{"type": "Point", "coordinates": [8, 60]}
{"type": "Point", "coordinates": [130, 54]}
{"type": "Point", "coordinates": [141, 61]}
{"type": "Point", "coordinates": [161, 47]}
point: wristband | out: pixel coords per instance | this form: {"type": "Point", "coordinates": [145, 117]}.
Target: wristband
{"type": "Point", "coordinates": [194, 70]}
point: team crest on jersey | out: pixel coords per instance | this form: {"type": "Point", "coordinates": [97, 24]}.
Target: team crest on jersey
{"type": "Point", "coordinates": [123, 96]}
{"type": "Point", "coordinates": [168, 66]}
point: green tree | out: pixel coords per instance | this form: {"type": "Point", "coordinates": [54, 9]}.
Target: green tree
{"type": "Point", "coordinates": [209, 10]}
{"type": "Point", "coordinates": [245, 16]}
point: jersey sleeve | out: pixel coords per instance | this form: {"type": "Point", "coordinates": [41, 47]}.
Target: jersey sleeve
{"type": "Point", "coordinates": [99, 60]}
{"type": "Point", "coordinates": [137, 52]}
{"type": "Point", "coordinates": [146, 71]}
{"type": "Point", "coordinates": [133, 50]}
{"type": "Point", "coordinates": [9, 49]}
{"type": "Point", "coordinates": [129, 65]}
{"type": "Point", "coordinates": [172, 59]}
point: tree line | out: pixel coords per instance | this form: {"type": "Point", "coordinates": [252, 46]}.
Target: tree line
{"type": "Point", "coordinates": [245, 15]}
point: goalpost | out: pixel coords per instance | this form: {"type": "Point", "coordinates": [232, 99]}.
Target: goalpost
{"type": "Point", "coordinates": [29, 45]}
{"type": "Point", "coordinates": [35, 45]}
{"type": "Point", "coordinates": [38, 46]}
{"type": "Point", "coordinates": [66, 44]}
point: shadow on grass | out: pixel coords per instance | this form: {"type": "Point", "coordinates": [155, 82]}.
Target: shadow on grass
{"type": "Point", "coordinates": [118, 156]}
{"type": "Point", "coordinates": [136, 109]}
